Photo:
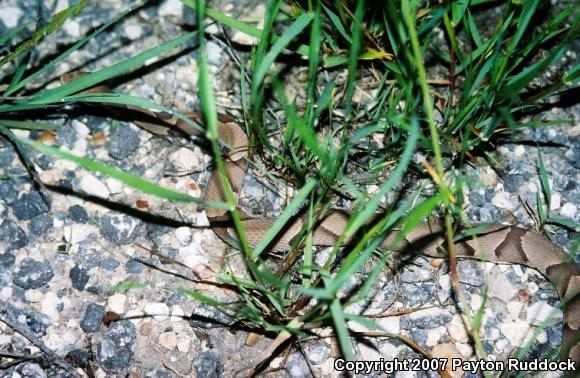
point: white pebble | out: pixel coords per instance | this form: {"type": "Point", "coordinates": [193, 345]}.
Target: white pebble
{"type": "Point", "coordinates": [541, 313]}
{"type": "Point", "coordinates": [214, 53]}
{"type": "Point", "coordinates": [184, 160]}
{"type": "Point", "coordinates": [556, 201]}
{"type": "Point", "coordinates": [183, 234]}
{"type": "Point", "coordinates": [171, 8]}
{"type": "Point", "coordinates": [10, 16]}
{"type": "Point", "coordinates": [76, 233]}
{"type": "Point", "coordinates": [183, 344]}
{"type": "Point", "coordinates": [501, 288]}
{"type": "Point", "coordinates": [177, 314]}
{"type": "Point", "coordinates": [133, 32]}
{"type": "Point", "coordinates": [72, 28]}
{"type": "Point", "coordinates": [390, 324]}
{"type": "Point", "coordinates": [90, 185]}
{"type": "Point", "coordinates": [33, 295]}
{"type": "Point", "coordinates": [515, 332]}
{"type": "Point", "coordinates": [502, 200]}
{"type": "Point", "coordinates": [116, 303]}
{"type": "Point", "coordinates": [568, 210]}
{"type": "Point", "coordinates": [158, 310]}
{"type": "Point", "coordinates": [49, 306]}
{"type": "Point", "coordinates": [519, 150]}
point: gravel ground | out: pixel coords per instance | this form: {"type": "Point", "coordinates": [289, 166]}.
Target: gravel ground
{"type": "Point", "coordinates": [69, 254]}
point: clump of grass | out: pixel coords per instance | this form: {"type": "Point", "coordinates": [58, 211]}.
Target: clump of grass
{"type": "Point", "coordinates": [486, 94]}
{"type": "Point", "coordinates": [329, 135]}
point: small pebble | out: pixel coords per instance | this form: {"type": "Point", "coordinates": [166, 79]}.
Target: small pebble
{"type": "Point", "coordinates": [133, 32]}
{"type": "Point", "coordinates": [33, 274]}
{"type": "Point", "coordinates": [92, 186]}
{"type": "Point", "coordinates": [93, 318]}
{"type": "Point", "coordinates": [30, 205]}
{"type": "Point", "coordinates": [79, 277]}
{"type": "Point", "coordinates": [133, 266]}
{"type": "Point", "coordinates": [208, 365]}
{"type": "Point", "coordinates": [10, 16]}
{"type": "Point", "coordinates": [123, 141]}
{"type": "Point", "coordinates": [541, 313]}
{"type": "Point", "coordinates": [78, 214]}
{"type": "Point", "coordinates": [41, 224]}
{"type": "Point", "coordinates": [115, 350]}
{"type": "Point", "coordinates": [12, 236]}
{"type": "Point", "coordinates": [168, 340]}
{"type": "Point", "coordinates": [568, 210]}
{"type": "Point", "coordinates": [121, 228]}
{"type": "Point", "coordinates": [158, 310]}
{"type": "Point", "coordinates": [116, 303]}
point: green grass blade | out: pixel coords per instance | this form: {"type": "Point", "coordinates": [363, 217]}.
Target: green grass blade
{"type": "Point", "coordinates": [544, 180]}
{"type": "Point", "coordinates": [128, 179]}
{"type": "Point", "coordinates": [14, 32]}
{"type": "Point", "coordinates": [57, 21]}
{"type": "Point", "coordinates": [283, 219]}
{"type": "Point", "coordinates": [27, 125]}
{"type": "Point", "coordinates": [341, 330]}
{"type": "Point", "coordinates": [94, 78]}
{"type": "Point", "coordinates": [68, 52]}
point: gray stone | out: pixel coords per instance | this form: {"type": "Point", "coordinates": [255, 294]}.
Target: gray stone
{"type": "Point", "coordinates": [115, 350]}
{"type": "Point", "coordinates": [8, 191]}
{"type": "Point", "coordinates": [109, 263]}
{"type": "Point", "coordinates": [66, 136]}
{"type": "Point", "coordinates": [79, 277]}
{"type": "Point", "coordinates": [208, 364]}
{"type": "Point", "coordinates": [93, 318]}
{"type": "Point", "coordinates": [30, 370]}
{"type": "Point", "coordinates": [205, 316]}
{"type": "Point", "coordinates": [33, 274]}
{"type": "Point", "coordinates": [7, 260]}
{"type": "Point", "coordinates": [30, 205]}
{"type": "Point", "coordinates": [470, 273]}
{"type": "Point", "coordinates": [133, 266]}
{"type": "Point", "coordinates": [317, 354]}
{"type": "Point", "coordinates": [124, 139]}
{"type": "Point", "coordinates": [37, 323]}
{"type": "Point", "coordinates": [41, 224]}
{"type": "Point", "coordinates": [78, 214]}
{"type": "Point", "coordinates": [12, 236]}
{"type": "Point", "coordinates": [87, 258]}
{"type": "Point", "coordinates": [7, 155]}
{"type": "Point", "coordinates": [121, 228]}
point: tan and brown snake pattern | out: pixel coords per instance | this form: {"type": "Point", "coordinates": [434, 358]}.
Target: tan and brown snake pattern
{"type": "Point", "coordinates": [501, 244]}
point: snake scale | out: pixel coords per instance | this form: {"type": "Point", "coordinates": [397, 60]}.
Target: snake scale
{"type": "Point", "coordinates": [500, 244]}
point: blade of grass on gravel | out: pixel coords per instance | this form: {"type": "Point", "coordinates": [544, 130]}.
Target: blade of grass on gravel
{"type": "Point", "coordinates": [27, 125]}
{"type": "Point", "coordinates": [46, 68]}
{"type": "Point", "coordinates": [341, 328]}
{"type": "Point", "coordinates": [128, 179]}
{"type": "Point", "coordinates": [13, 32]}
{"type": "Point", "coordinates": [94, 78]}
{"type": "Point", "coordinates": [57, 21]}
{"type": "Point", "coordinates": [544, 180]}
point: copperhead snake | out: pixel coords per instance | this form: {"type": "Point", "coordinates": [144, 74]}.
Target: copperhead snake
{"type": "Point", "coordinates": [500, 244]}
